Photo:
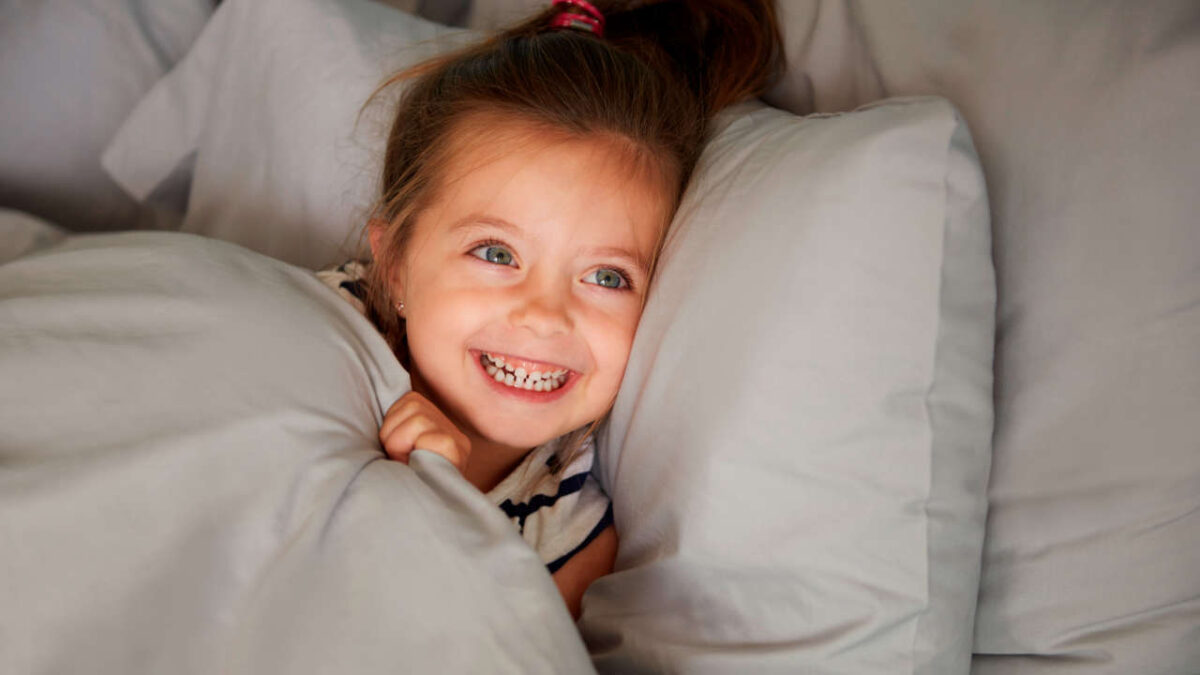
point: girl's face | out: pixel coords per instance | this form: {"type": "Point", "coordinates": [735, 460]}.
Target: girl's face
{"type": "Point", "coordinates": [523, 281]}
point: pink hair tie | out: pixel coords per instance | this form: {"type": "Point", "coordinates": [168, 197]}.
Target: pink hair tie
{"type": "Point", "coordinates": [592, 20]}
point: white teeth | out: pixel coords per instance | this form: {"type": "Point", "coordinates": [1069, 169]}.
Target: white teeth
{"type": "Point", "coordinates": [520, 378]}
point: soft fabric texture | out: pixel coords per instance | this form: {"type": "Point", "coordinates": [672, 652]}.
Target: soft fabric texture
{"type": "Point", "coordinates": [271, 104]}
{"type": "Point", "coordinates": [71, 70]}
{"type": "Point", "coordinates": [799, 451]}
{"type": "Point", "coordinates": [22, 233]}
{"type": "Point", "coordinates": [491, 14]}
{"type": "Point", "coordinates": [191, 482]}
{"type": "Point", "coordinates": [1085, 118]}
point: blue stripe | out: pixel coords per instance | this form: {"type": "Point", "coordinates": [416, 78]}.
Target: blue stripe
{"type": "Point", "coordinates": [568, 486]}
{"type": "Point", "coordinates": [605, 521]}
{"type": "Point", "coordinates": [357, 288]}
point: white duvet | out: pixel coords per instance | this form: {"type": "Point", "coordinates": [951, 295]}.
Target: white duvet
{"type": "Point", "coordinates": [190, 482]}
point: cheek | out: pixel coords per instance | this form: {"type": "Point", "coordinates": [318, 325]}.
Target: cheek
{"type": "Point", "coordinates": [612, 344]}
{"type": "Point", "coordinates": [439, 326]}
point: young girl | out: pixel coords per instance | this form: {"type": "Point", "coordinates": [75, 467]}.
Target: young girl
{"type": "Point", "coordinates": [527, 187]}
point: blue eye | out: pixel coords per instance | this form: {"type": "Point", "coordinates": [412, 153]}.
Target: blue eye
{"type": "Point", "coordinates": [607, 278]}
{"type": "Point", "coordinates": [497, 255]}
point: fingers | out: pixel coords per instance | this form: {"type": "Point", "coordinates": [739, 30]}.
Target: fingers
{"type": "Point", "coordinates": [400, 437]}
{"type": "Point", "coordinates": [416, 434]}
{"type": "Point", "coordinates": [404, 408]}
{"type": "Point", "coordinates": [443, 444]}
{"type": "Point", "coordinates": [414, 422]}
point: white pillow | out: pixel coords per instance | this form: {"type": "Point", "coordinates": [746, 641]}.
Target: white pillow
{"type": "Point", "coordinates": [71, 70]}
{"type": "Point", "coordinates": [799, 452]}
{"type": "Point", "coordinates": [192, 483]}
{"type": "Point", "coordinates": [269, 100]}
{"type": "Point", "coordinates": [1084, 114]}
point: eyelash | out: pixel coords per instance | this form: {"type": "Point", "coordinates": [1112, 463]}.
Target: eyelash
{"type": "Point", "coordinates": [488, 243]}
{"type": "Point", "coordinates": [625, 276]}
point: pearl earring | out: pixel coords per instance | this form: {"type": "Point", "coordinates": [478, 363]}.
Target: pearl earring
{"type": "Point", "coordinates": [400, 307]}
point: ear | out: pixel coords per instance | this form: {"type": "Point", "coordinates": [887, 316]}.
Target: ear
{"type": "Point", "coordinates": [375, 228]}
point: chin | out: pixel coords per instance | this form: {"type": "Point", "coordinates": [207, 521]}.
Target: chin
{"type": "Point", "coordinates": [516, 433]}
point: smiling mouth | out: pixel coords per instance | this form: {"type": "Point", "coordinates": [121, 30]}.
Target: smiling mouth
{"type": "Point", "coordinates": [541, 378]}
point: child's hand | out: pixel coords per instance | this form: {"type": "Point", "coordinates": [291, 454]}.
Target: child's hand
{"type": "Point", "coordinates": [413, 422]}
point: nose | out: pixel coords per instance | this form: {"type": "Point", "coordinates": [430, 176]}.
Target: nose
{"type": "Point", "coordinates": [543, 307]}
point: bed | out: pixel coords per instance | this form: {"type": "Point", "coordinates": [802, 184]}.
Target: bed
{"type": "Point", "coordinates": [944, 279]}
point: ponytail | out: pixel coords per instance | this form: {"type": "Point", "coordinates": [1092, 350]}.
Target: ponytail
{"type": "Point", "coordinates": [707, 55]}
{"type": "Point", "coordinates": [726, 50]}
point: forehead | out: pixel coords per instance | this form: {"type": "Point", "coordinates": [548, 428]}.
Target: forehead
{"type": "Point", "coordinates": [599, 187]}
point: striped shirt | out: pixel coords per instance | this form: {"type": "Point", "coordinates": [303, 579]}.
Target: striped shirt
{"type": "Point", "coordinates": [556, 513]}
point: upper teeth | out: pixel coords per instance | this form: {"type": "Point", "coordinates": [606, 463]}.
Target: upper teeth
{"type": "Point", "coordinates": [520, 378]}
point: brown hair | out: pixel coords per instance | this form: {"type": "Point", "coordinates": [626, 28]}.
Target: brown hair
{"type": "Point", "coordinates": [655, 79]}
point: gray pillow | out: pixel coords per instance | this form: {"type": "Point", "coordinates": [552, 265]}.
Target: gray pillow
{"type": "Point", "coordinates": [191, 482]}
{"type": "Point", "coordinates": [71, 70]}
{"type": "Point", "coordinates": [799, 451]}
{"type": "Point", "coordinates": [1084, 114]}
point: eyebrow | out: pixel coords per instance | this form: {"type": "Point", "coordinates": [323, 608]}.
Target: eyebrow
{"type": "Point", "coordinates": [475, 220]}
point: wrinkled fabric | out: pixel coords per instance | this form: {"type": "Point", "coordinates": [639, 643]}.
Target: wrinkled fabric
{"type": "Point", "coordinates": [191, 482]}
